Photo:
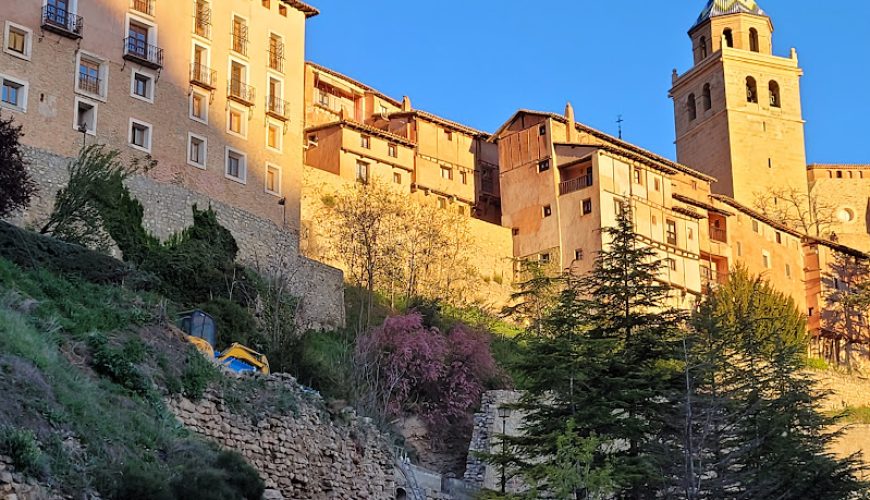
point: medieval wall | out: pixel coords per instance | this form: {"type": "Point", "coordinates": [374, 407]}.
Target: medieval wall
{"type": "Point", "coordinates": [302, 454]}
{"type": "Point", "coordinates": [262, 243]}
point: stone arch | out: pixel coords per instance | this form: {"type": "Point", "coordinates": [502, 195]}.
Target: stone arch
{"type": "Point", "coordinates": [708, 98]}
{"type": "Point", "coordinates": [729, 37]}
{"type": "Point", "coordinates": [692, 107]}
{"type": "Point", "coordinates": [401, 494]}
{"type": "Point", "coordinates": [775, 98]}
{"type": "Point", "coordinates": [753, 40]}
{"type": "Point", "coordinates": [751, 90]}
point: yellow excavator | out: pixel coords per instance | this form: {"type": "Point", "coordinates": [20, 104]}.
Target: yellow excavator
{"type": "Point", "coordinates": [201, 331]}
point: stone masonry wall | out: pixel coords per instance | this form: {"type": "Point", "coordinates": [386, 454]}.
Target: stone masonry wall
{"type": "Point", "coordinates": [262, 244]}
{"type": "Point", "coordinates": [14, 486]}
{"type": "Point", "coordinates": [301, 455]}
{"type": "Point", "coordinates": [484, 439]}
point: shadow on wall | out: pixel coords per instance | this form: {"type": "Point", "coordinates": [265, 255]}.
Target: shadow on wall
{"type": "Point", "coordinates": [401, 494]}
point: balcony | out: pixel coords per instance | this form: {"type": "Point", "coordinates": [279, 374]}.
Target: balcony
{"type": "Point", "coordinates": [89, 83]}
{"type": "Point", "coordinates": [202, 22]}
{"type": "Point", "coordinates": [203, 76]}
{"type": "Point", "coordinates": [241, 93]}
{"type": "Point", "coordinates": [62, 22]}
{"type": "Point", "coordinates": [276, 58]}
{"type": "Point", "coordinates": [144, 6]}
{"type": "Point", "coordinates": [277, 108]}
{"type": "Point", "coordinates": [240, 41]}
{"type": "Point", "coordinates": [575, 184]}
{"type": "Point", "coordinates": [718, 234]}
{"type": "Point", "coordinates": [137, 51]}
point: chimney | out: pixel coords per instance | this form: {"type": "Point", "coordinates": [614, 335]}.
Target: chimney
{"type": "Point", "coordinates": [406, 104]}
{"type": "Point", "coordinates": [569, 115]}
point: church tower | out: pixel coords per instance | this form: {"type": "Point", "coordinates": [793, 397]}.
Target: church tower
{"type": "Point", "coordinates": [738, 110]}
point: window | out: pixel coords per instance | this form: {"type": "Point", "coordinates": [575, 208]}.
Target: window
{"type": "Point", "coordinates": [765, 259]}
{"type": "Point", "coordinates": [657, 184]}
{"type": "Point", "coordinates": [587, 206]}
{"type": "Point", "coordinates": [811, 312]}
{"type": "Point", "coordinates": [89, 80]}
{"type": "Point", "coordinates": [588, 176]}
{"type": "Point", "coordinates": [273, 179]}
{"type": "Point", "coordinates": [142, 86]}
{"type": "Point", "coordinates": [267, 3]}
{"type": "Point", "coordinates": [839, 174]}
{"type": "Point", "coordinates": [239, 81]}
{"type": "Point", "coordinates": [442, 203]}
{"type": "Point", "coordinates": [393, 150]}
{"type": "Point", "coordinates": [362, 172]}
{"type": "Point", "coordinates": [236, 166]}
{"type": "Point", "coordinates": [788, 270]}
{"type": "Point", "coordinates": [140, 135]}
{"type": "Point", "coordinates": [397, 178]}
{"type": "Point", "coordinates": [85, 117]}
{"type": "Point", "coordinates": [276, 52]}
{"type": "Point", "coordinates": [144, 6]}
{"type": "Point", "coordinates": [547, 211]}
{"type": "Point", "coordinates": [202, 19]}
{"type": "Point", "coordinates": [638, 176]}
{"type": "Point", "coordinates": [753, 39]}
{"type": "Point", "coordinates": [618, 207]}
{"type": "Point", "coordinates": [138, 40]}
{"type": "Point", "coordinates": [197, 147]}
{"type": "Point", "coordinates": [672, 232]}
{"type": "Point", "coordinates": [274, 136]}
{"type": "Point", "coordinates": [544, 258]}
{"type": "Point", "coordinates": [463, 176]}
{"type": "Point", "coordinates": [578, 254]}
{"type": "Point", "coordinates": [739, 249]}
{"type": "Point", "coordinates": [779, 237]}
{"type": "Point", "coordinates": [672, 264]}
{"type": "Point", "coordinates": [199, 107]}
{"type": "Point", "coordinates": [729, 37]}
{"type": "Point", "coordinates": [282, 9]}
{"type": "Point", "coordinates": [18, 41]}
{"type": "Point", "coordinates": [365, 141]}
{"type": "Point", "coordinates": [751, 90]}
{"type": "Point", "coordinates": [460, 209]}
{"type": "Point", "coordinates": [690, 234]}
{"type": "Point", "coordinates": [236, 121]}
{"type": "Point", "coordinates": [515, 231]}
{"type": "Point", "coordinates": [13, 94]}
{"type": "Point", "coordinates": [449, 134]}
{"type": "Point", "coordinates": [702, 45]}
{"type": "Point", "coordinates": [240, 36]}
{"type": "Point", "coordinates": [755, 227]}
{"type": "Point", "coordinates": [542, 129]}
{"type": "Point", "coordinates": [446, 173]}
{"type": "Point", "coordinates": [655, 220]}
{"type": "Point", "coordinates": [708, 99]}
{"type": "Point", "coordinates": [383, 110]}
{"type": "Point", "coordinates": [543, 166]}
{"type": "Point", "coordinates": [774, 95]}
{"type": "Point", "coordinates": [690, 104]}
{"type": "Point", "coordinates": [695, 185]}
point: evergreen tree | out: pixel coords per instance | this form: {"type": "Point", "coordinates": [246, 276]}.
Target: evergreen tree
{"type": "Point", "coordinates": [757, 432]}
{"type": "Point", "coordinates": [608, 363]}
{"type": "Point", "coordinates": [16, 185]}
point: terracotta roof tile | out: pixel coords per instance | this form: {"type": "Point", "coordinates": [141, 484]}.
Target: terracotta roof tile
{"type": "Point", "coordinates": [442, 121]}
{"type": "Point", "coordinates": [354, 82]}
{"type": "Point", "coordinates": [308, 10]}
{"type": "Point", "coordinates": [364, 128]}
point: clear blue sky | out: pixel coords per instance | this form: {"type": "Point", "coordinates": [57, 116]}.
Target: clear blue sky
{"type": "Point", "coordinates": [478, 61]}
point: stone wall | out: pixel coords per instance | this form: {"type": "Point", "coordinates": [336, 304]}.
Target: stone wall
{"type": "Point", "coordinates": [302, 454]}
{"type": "Point", "coordinates": [484, 439]}
{"type": "Point", "coordinates": [14, 486]}
{"type": "Point", "coordinates": [262, 244]}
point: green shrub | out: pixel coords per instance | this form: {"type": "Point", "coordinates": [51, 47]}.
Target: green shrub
{"type": "Point", "coordinates": [119, 364]}
{"type": "Point", "coordinates": [198, 374]}
{"type": "Point", "coordinates": [817, 364]}
{"type": "Point", "coordinates": [234, 323]}
{"type": "Point", "coordinates": [141, 482]}
{"type": "Point", "coordinates": [241, 476]}
{"type": "Point", "coordinates": [217, 476]}
{"type": "Point", "coordinates": [22, 447]}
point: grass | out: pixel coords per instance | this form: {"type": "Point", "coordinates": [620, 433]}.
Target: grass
{"type": "Point", "coordinates": [859, 415]}
{"type": "Point", "coordinates": [817, 364]}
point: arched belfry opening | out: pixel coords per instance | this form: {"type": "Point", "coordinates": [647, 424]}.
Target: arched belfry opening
{"type": "Point", "coordinates": [751, 90]}
{"type": "Point", "coordinates": [702, 47]}
{"type": "Point", "coordinates": [775, 98]}
{"type": "Point", "coordinates": [753, 40]}
{"type": "Point", "coordinates": [729, 37]}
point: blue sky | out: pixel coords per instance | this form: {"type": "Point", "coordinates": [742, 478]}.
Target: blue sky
{"type": "Point", "coordinates": [478, 61]}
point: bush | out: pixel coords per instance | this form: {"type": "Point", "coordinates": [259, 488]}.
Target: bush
{"type": "Point", "coordinates": [140, 482]}
{"type": "Point", "coordinates": [241, 476]}
{"type": "Point", "coordinates": [21, 446]}
{"type": "Point", "coordinates": [213, 475]}
{"type": "Point", "coordinates": [16, 185]}
{"type": "Point", "coordinates": [119, 364]}
{"type": "Point", "coordinates": [198, 373]}
{"type": "Point", "coordinates": [234, 323]}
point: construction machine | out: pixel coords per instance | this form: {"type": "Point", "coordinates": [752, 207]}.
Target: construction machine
{"type": "Point", "coordinates": [201, 331]}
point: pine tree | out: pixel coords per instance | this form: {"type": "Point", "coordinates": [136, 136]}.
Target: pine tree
{"type": "Point", "coordinates": [756, 427]}
{"type": "Point", "coordinates": [607, 362]}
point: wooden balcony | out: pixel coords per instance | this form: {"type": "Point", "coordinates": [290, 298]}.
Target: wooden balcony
{"type": "Point", "coordinates": [575, 184]}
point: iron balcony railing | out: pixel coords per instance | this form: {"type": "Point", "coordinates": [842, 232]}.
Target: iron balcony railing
{"type": "Point", "coordinates": [239, 91]}
{"type": "Point", "coordinates": [277, 107]}
{"type": "Point", "coordinates": [240, 40]}
{"type": "Point", "coordinates": [575, 184]}
{"type": "Point", "coordinates": [202, 23]}
{"type": "Point", "coordinates": [276, 57]}
{"type": "Point", "coordinates": [144, 6]}
{"type": "Point", "coordinates": [62, 21]}
{"type": "Point", "coordinates": [89, 83]}
{"type": "Point", "coordinates": [137, 50]}
{"type": "Point", "coordinates": [718, 234]}
{"type": "Point", "coordinates": [203, 76]}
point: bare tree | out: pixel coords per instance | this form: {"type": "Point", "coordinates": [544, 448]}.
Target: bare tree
{"type": "Point", "coordinates": [804, 212]}
{"type": "Point", "coordinates": [845, 317]}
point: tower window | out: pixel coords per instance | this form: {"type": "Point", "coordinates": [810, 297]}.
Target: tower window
{"type": "Point", "coordinates": [753, 40]}
{"type": "Point", "coordinates": [708, 100]}
{"type": "Point", "coordinates": [729, 37]}
{"type": "Point", "coordinates": [751, 90]}
{"type": "Point", "coordinates": [693, 110]}
{"type": "Point", "coordinates": [702, 45]}
{"type": "Point", "coordinates": [774, 95]}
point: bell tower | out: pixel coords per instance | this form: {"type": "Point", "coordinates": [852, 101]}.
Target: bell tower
{"type": "Point", "coordinates": [738, 109]}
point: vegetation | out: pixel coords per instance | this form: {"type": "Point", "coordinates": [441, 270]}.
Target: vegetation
{"type": "Point", "coordinates": [16, 185]}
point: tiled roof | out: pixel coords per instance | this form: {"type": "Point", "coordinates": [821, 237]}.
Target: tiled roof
{"type": "Point", "coordinates": [308, 10]}
{"type": "Point", "coordinates": [757, 215]}
{"type": "Point", "coordinates": [364, 128]}
{"type": "Point", "coordinates": [725, 7]}
{"type": "Point", "coordinates": [691, 201]}
{"type": "Point", "coordinates": [442, 121]}
{"type": "Point", "coordinates": [619, 143]}
{"type": "Point", "coordinates": [358, 83]}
